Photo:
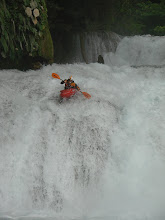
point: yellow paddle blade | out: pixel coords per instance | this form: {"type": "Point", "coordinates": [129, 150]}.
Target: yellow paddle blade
{"type": "Point", "coordinates": [56, 76]}
{"type": "Point", "coordinates": [86, 95]}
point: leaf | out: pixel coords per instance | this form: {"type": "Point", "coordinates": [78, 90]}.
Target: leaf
{"type": "Point", "coordinates": [3, 54]}
{"type": "Point", "coordinates": [21, 18]}
{"type": "Point", "coordinates": [28, 11]}
{"type": "Point", "coordinates": [26, 2]}
{"type": "Point", "coordinates": [33, 4]}
{"type": "Point", "coordinates": [36, 12]}
{"type": "Point", "coordinates": [41, 27]}
{"type": "Point", "coordinates": [4, 44]}
{"type": "Point", "coordinates": [2, 27]}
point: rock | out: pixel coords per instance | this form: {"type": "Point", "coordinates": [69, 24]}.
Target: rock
{"type": "Point", "coordinates": [100, 59]}
{"type": "Point", "coordinates": [46, 49]}
{"type": "Point", "coordinates": [36, 65]}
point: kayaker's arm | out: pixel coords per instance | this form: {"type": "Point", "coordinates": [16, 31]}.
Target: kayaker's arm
{"type": "Point", "coordinates": [74, 85]}
{"type": "Point", "coordinates": [77, 87]}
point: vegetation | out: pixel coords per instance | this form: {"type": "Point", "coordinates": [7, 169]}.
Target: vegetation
{"type": "Point", "coordinates": [24, 30]}
{"type": "Point", "coordinates": [152, 16]}
{"type": "Point", "coordinates": [127, 17]}
{"type": "Point", "coordinates": [142, 17]}
{"type": "Point", "coordinates": [23, 24]}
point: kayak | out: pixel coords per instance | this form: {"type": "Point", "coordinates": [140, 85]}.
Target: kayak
{"type": "Point", "coordinates": [67, 93]}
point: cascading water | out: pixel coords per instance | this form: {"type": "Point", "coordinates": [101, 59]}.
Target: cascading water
{"type": "Point", "coordinates": [138, 51]}
{"type": "Point", "coordinates": [100, 159]}
{"type": "Point", "coordinates": [84, 46]}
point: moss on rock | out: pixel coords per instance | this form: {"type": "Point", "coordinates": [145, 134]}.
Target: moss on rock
{"type": "Point", "coordinates": [46, 49]}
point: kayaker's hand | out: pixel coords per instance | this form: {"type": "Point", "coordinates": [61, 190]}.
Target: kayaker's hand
{"type": "Point", "coordinates": [62, 82]}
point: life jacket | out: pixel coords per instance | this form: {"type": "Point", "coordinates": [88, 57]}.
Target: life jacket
{"type": "Point", "coordinates": [71, 84]}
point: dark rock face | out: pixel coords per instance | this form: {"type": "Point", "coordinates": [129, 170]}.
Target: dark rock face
{"type": "Point", "coordinates": [81, 15]}
{"type": "Point", "coordinates": [100, 59]}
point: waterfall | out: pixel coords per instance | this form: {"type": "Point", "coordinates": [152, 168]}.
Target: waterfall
{"type": "Point", "coordinates": [138, 51]}
{"type": "Point", "coordinates": [95, 159]}
{"type": "Point", "coordinates": [84, 47]}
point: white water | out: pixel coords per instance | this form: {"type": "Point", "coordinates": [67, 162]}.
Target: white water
{"type": "Point", "coordinates": [99, 159]}
{"type": "Point", "coordinates": [138, 51]}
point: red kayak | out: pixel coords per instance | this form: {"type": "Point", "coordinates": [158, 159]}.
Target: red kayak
{"type": "Point", "coordinates": [67, 93]}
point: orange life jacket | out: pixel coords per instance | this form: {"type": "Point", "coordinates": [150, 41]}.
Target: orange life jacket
{"type": "Point", "coordinates": [71, 84]}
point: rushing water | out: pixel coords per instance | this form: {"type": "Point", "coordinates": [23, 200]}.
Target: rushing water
{"type": "Point", "coordinates": [98, 159]}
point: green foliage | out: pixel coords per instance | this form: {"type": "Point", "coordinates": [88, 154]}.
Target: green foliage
{"type": "Point", "coordinates": [139, 17]}
{"type": "Point", "coordinates": [127, 17]}
{"type": "Point", "coordinates": [159, 30]}
{"type": "Point", "coordinates": [152, 15]}
{"type": "Point", "coordinates": [20, 33]}
{"type": "Point", "coordinates": [148, 9]}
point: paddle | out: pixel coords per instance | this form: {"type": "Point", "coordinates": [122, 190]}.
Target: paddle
{"type": "Point", "coordinates": [87, 95]}
{"type": "Point", "coordinates": [56, 76]}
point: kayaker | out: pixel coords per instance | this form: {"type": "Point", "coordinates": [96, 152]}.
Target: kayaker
{"type": "Point", "coordinates": [69, 83]}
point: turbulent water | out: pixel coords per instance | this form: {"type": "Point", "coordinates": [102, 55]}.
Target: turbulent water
{"type": "Point", "coordinates": [97, 159]}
